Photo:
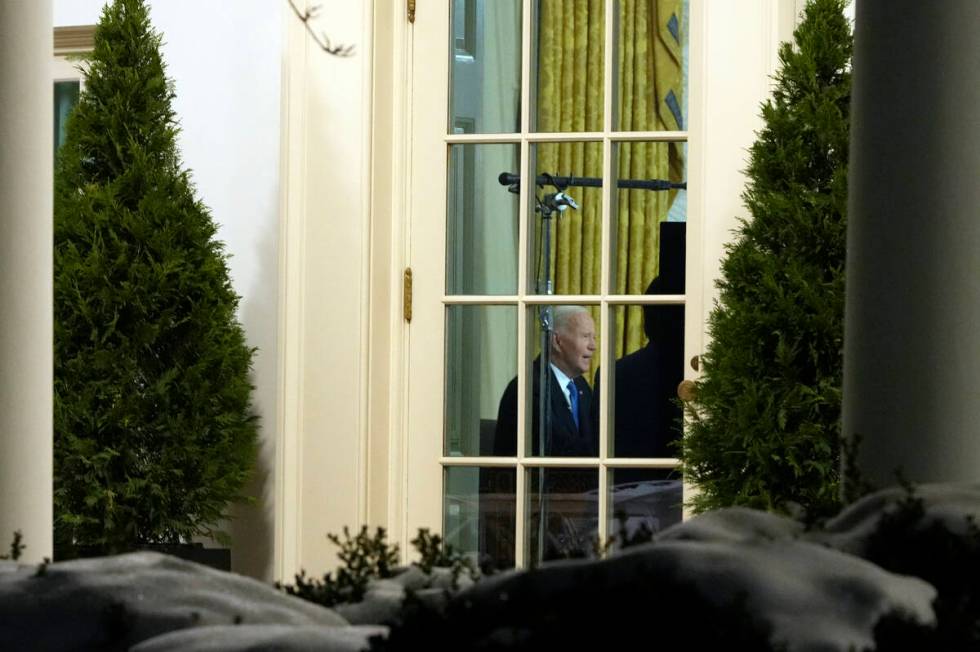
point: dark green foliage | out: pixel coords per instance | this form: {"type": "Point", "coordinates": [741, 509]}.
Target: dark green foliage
{"type": "Point", "coordinates": [365, 558]}
{"type": "Point", "coordinates": [654, 610]}
{"type": "Point", "coordinates": [854, 484]}
{"type": "Point", "coordinates": [765, 426]}
{"type": "Point", "coordinates": [906, 543]}
{"type": "Point", "coordinates": [42, 568]}
{"type": "Point", "coordinates": [154, 431]}
{"type": "Point", "coordinates": [364, 555]}
{"type": "Point", "coordinates": [434, 552]}
{"type": "Point", "coordinates": [16, 547]}
{"type": "Point", "coordinates": [324, 592]}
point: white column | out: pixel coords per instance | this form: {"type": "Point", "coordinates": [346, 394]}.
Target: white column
{"type": "Point", "coordinates": [912, 348]}
{"type": "Point", "coordinates": [26, 143]}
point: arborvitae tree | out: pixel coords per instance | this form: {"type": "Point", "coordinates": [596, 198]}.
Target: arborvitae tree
{"type": "Point", "coordinates": [154, 430]}
{"type": "Point", "coordinates": [765, 426]}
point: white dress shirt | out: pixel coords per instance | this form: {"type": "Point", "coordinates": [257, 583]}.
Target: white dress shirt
{"type": "Point", "coordinates": [563, 383]}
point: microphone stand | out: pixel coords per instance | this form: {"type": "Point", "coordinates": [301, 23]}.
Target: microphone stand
{"type": "Point", "coordinates": [556, 202]}
{"type": "Point", "coordinates": [552, 203]}
{"type": "Point", "coordinates": [513, 181]}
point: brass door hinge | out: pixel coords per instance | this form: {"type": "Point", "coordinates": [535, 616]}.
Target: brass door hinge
{"type": "Point", "coordinates": [411, 11]}
{"type": "Point", "coordinates": [407, 295]}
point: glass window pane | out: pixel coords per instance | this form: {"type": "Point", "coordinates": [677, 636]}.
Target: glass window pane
{"type": "Point", "coordinates": [485, 67]}
{"type": "Point", "coordinates": [481, 221]}
{"type": "Point", "coordinates": [651, 66]}
{"type": "Point", "coordinates": [481, 358]}
{"type": "Point", "coordinates": [643, 502]}
{"type": "Point", "coordinates": [563, 513]}
{"type": "Point", "coordinates": [649, 222]}
{"type": "Point", "coordinates": [479, 514]}
{"type": "Point", "coordinates": [568, 61]}
{"type": "Point", "coordinates": [646, 416]}
{"type": "Point", "coordinates": [566, 242]}
{"type": "Point", "coordinates": [562, 428]}
{"type": "Point", "coordinates": [65, 98]}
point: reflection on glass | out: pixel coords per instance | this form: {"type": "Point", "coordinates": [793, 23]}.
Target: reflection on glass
{"type": "Point", "coordinates": [567, 427]}
{"type": "Point", "coordinates": [651, 66]}
{"type": "Point", "coordinates": [481, 358]}
{"type": "Point", "coordinates": [485, 65]}
{"type": "Point", "coordinates": [568, 255]}
{"type": "Point", "coordinates": [649, 223]}
{"type": "Point", "coordinates": [646, 417]}
{"type": "Point", "coordinates": [479, 517]}
{"type": "Point", "coordinates": [644, 502]}
{"type": "Point", "coordinates": [65, 98]}
{"type": "Point", "coordinates": [568, 65]}
{"type": "Point", "coordinates": [481, 221]}
{"type": "Point", "coordinates": [563, 514]}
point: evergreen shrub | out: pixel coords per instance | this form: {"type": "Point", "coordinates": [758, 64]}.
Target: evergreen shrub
{"type": "Point", "coordinates": [436, 552]}
{"type": "Point", "coordinates": [153, 426]}
{"type": "Point", "coordinates": [364, 557]}
{"type": "Point", "coordinates": [907, 542]}
{"type": "Point", "coordinates": [16, 547]}
{"type": "Point", "coordinates": [765, 427]}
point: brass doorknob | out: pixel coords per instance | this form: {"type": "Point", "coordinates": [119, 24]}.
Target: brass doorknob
{"type": "Point", "coordinates": [687, 390]}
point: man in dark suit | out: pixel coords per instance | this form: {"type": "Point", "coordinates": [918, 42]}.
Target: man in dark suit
{"type": "Point", "coordinates": [573, 344]}
{"type": "Point", "coordinates": [647, 418]}
{"type": "Point", "coordinates": [571, 434]}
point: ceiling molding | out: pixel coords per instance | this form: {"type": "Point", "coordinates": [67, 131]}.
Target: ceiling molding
{"type": "Point", "coordinates": [74, 39]}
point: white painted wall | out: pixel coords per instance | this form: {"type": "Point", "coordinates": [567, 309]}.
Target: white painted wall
{"type": "Point", "coordinates": [326, 236]}
{"type": "Point", "coordinates": [737, 57]}
{"type": "Point", "coordinates": [225, 60]}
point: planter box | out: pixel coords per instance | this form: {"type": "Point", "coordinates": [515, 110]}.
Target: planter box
{"type": "Point", "coordinates": [217, 558]}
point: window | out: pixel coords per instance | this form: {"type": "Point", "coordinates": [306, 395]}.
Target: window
{"type": "Point", "coordinates": [65, 99]}
{"type": "Point", "coordinates": [69, 44]}
{"type": "Point", "coordinates": [550, 99]}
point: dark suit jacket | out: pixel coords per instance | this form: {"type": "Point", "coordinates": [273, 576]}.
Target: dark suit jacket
{"type": "Point", "coordinates": [566, 440]}
{"type": "Point", "coordinates": [647, 420]}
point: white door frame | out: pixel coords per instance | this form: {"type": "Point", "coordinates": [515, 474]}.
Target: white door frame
{"type": "Point", "coordinates": [732, 57]}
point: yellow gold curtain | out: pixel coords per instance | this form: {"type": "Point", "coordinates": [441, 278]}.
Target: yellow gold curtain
{"type": "Point", "coordinates": [570, 83]}
{"type": "Point", "coordinates": [570, 99]}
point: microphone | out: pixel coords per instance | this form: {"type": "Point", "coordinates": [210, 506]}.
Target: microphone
{"type": "Point", "coordinates": [561, 201]}
{"type": "Point", "coordinates": [508, 179]}
{"type": "Point", "coordinates": [512, 181]}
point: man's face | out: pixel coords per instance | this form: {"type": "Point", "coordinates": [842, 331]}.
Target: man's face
{"type": "Point", "coordinates": [574, 346]}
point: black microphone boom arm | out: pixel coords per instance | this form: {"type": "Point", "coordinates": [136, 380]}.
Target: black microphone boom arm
{"type": "Point", "coordinates": [514, 182]}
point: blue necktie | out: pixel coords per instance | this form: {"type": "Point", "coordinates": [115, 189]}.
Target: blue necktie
{"type": "Point", "coordinates": [573, 400]}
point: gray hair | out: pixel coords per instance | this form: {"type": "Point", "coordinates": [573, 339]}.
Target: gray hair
{"type": "Point", "coordinates": [563, 315]}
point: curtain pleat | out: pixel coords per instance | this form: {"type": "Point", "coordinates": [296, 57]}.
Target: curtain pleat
{"type": "Point", "coordinates": [570, 84]}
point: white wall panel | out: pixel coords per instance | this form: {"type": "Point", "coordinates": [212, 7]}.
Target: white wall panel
{"type": "Point", "coordinates": [737, 58]}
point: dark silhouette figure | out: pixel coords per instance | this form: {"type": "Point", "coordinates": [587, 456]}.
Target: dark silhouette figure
{"type": "Point", "coordinates": [646, 416]}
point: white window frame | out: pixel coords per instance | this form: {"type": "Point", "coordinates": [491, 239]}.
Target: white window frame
{"type": "Point", "coordinates": [390, 477]}
{"type": "Point", "coordinates": [420, 478]}
{"type": "Point", "coordinates": [70, 42]}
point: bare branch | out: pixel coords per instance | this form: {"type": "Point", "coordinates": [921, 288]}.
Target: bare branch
{"type": "Point", "coordinates": [321, 40]}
